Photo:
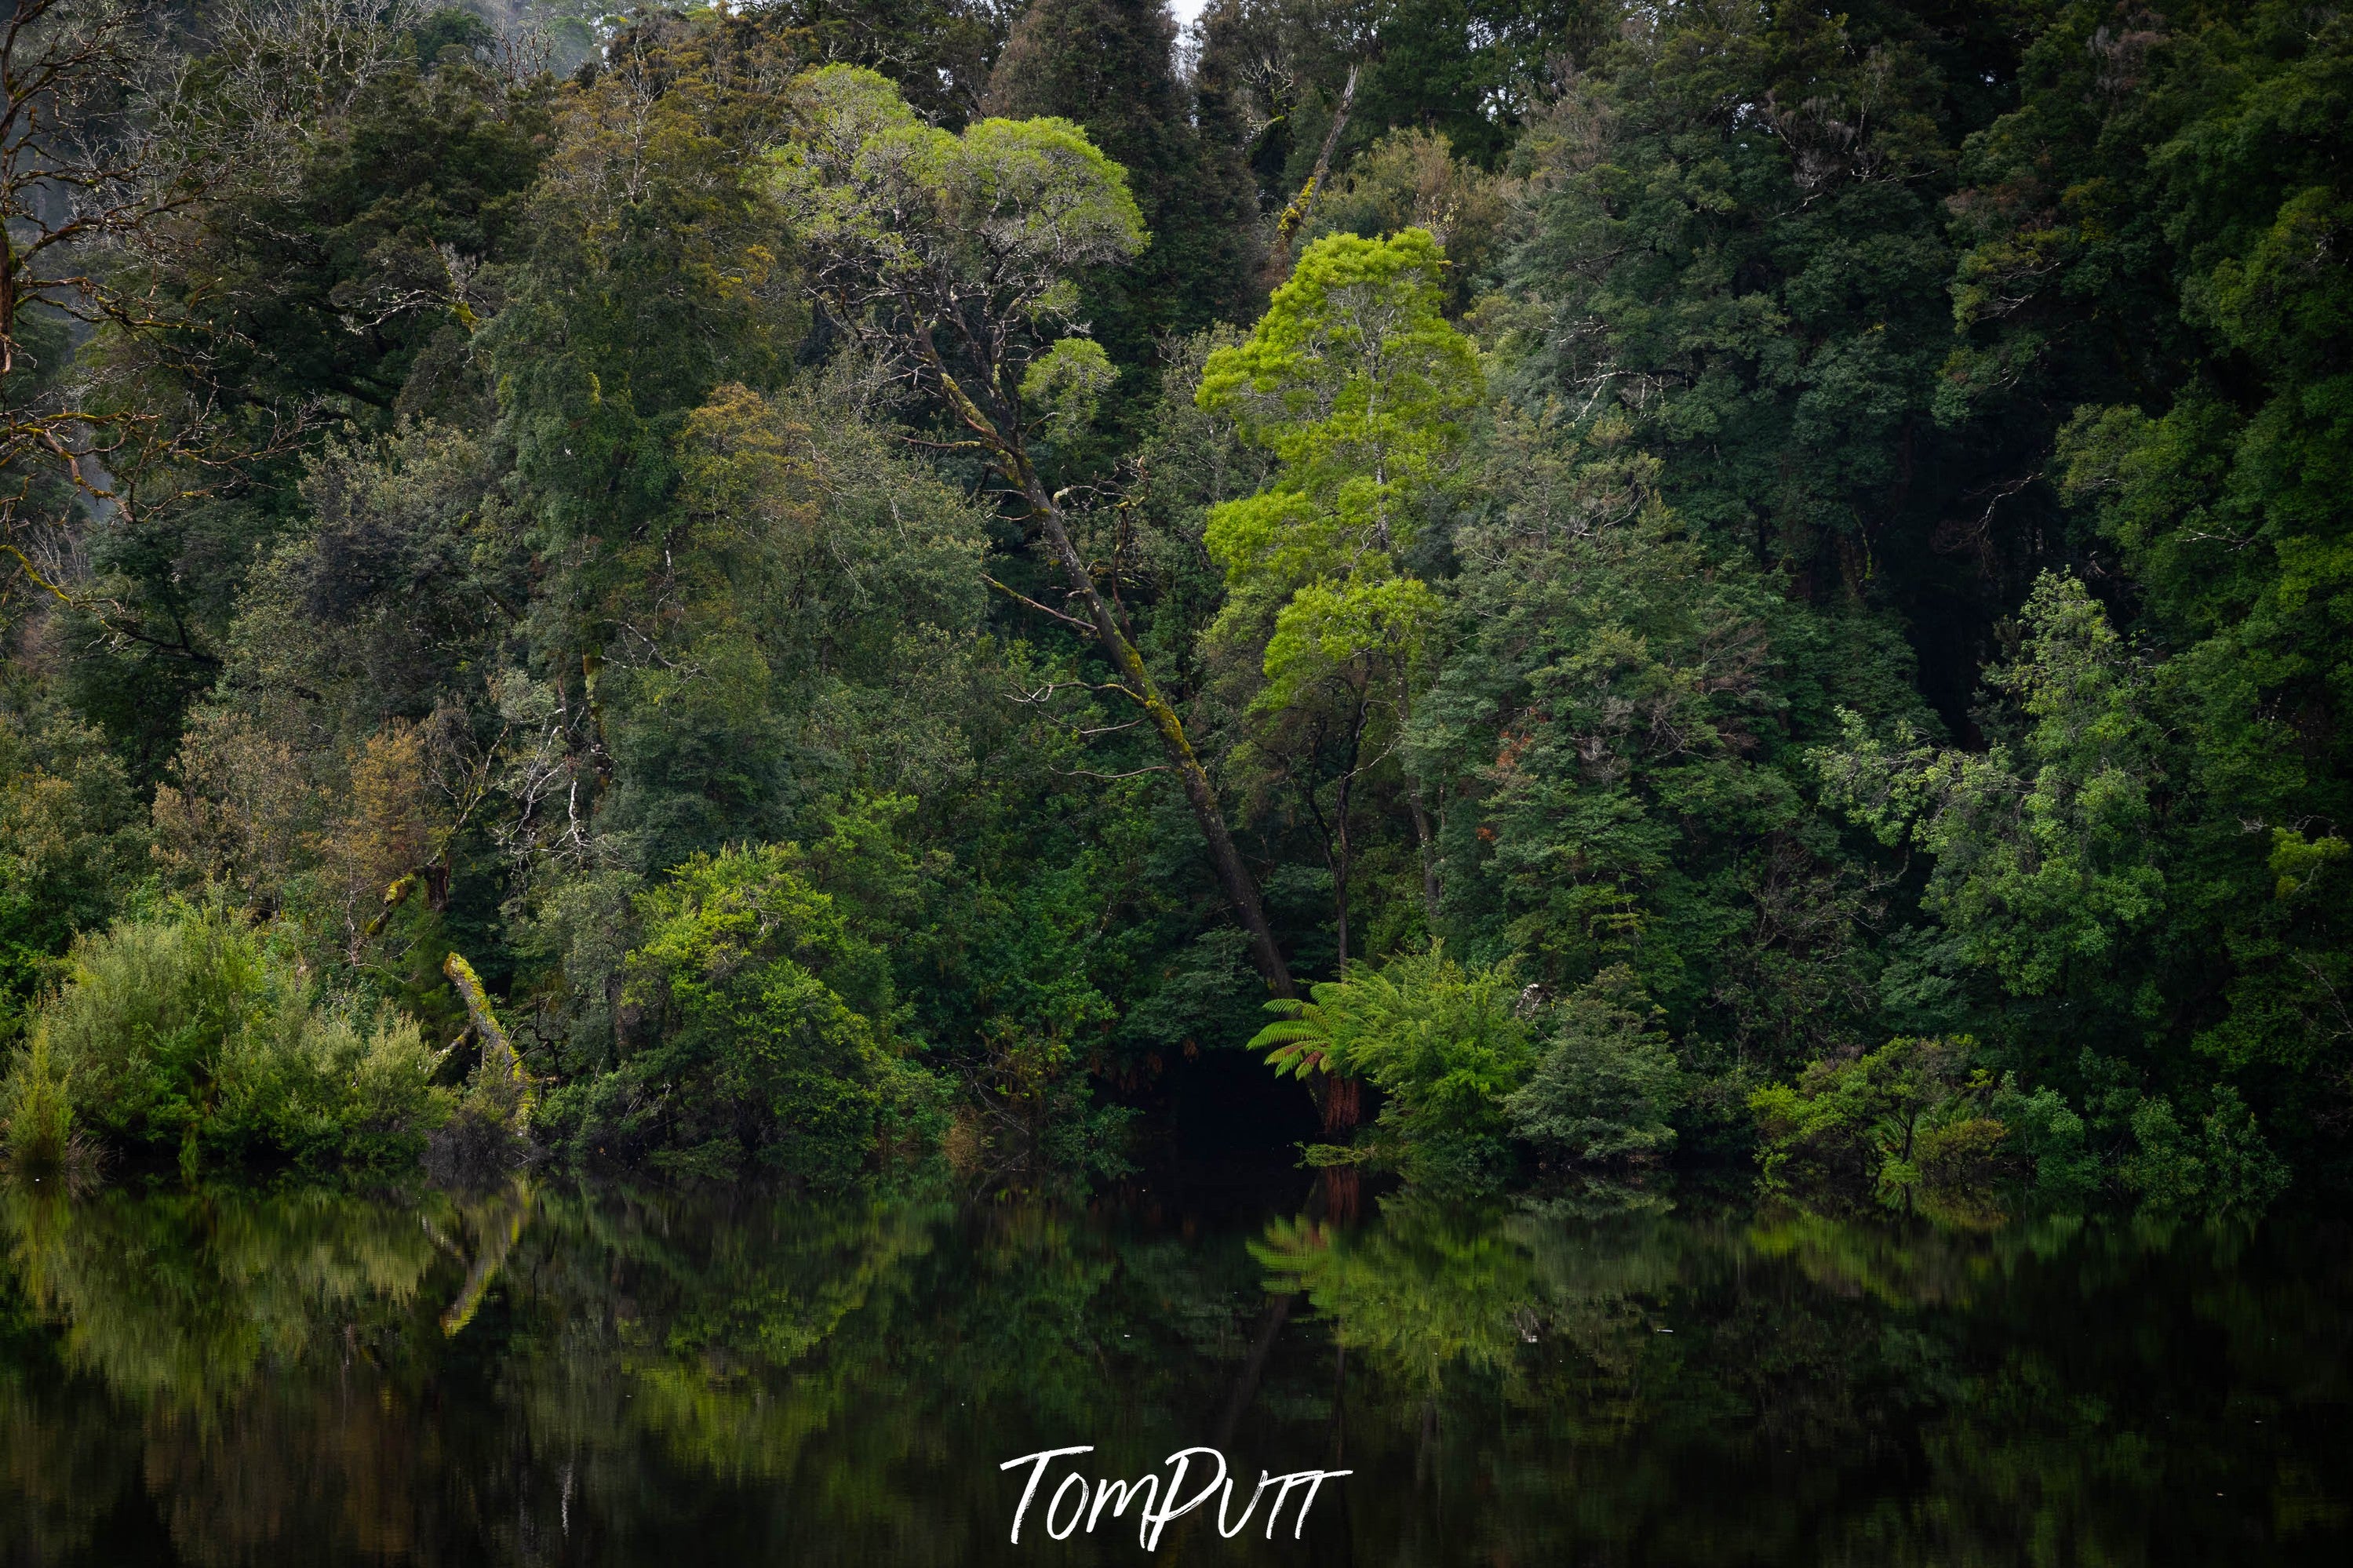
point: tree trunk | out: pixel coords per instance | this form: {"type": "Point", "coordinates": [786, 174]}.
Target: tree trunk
{"type": "Point", "coordinates": [1343, 1104]}
{"type": "Point", "coordinates": [1340, 884]}
{"type": "Point", "coordinates": [1342, 860]}
{"type": "Point", "coordinates": [502, 1062]}
{"type": "Point", "coordinates": [1294, 217]}
{"type": "Point", "coordinates": [1013, 463]}
{"type": "Point", "coordinates": [1238, 1403]}
{"type": "Point", "coordinates": [1428, 848]}
{"type": "Point", "coordinates": [1241, 887]}
{"type": "Point", "coordinates": [7, 304]}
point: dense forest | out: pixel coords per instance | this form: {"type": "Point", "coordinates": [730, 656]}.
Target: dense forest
{"type": "Point", "coordinates": [845, 585]}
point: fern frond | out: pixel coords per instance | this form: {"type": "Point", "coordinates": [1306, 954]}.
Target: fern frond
{"type": "Point", "coordinates": [1282, 1034]}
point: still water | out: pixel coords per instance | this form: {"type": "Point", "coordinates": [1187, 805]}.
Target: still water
{"type": "Point", "coordinates": [554, 1374]}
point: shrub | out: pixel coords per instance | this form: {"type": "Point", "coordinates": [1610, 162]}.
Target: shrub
{"type": "Point", "coordinates": [2224, 1166]}
{"type": "Point", "coordinates": [2051, 1136]}
{"type": "Point", "coordinates": [1608, 1082]}
{"type": "Point", "coordinates": [36, 1112]}
{"type": "Point", "coordinates": [147, 1011]}
{"type": "Point", "coordinates": [185, 1029]}
{"type": "Point", "coordinates": [1905, 1119]}
{"type": "Point", "coordinates": [323, 1083]}
{"type": "Point", "coordinates": [764, 1033]}
{"type": "Point", "coordinates": [1912, 1117]}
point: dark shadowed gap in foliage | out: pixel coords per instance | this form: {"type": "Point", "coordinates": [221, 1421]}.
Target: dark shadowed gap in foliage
{"type": "Point", "coordinates": [1219, 1106]}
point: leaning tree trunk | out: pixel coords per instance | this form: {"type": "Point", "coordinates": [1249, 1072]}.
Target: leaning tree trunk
{"type": "Point", "coordinates": [1241, 887]}
{"type": "Point", "coordinates": [1294, 217]}
{"type": "Point", "coordinates": [501, 1064]}
{"type": "Point", "coordinates": [1013, 462]}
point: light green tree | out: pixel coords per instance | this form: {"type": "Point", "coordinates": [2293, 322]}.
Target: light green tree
{"type": "Point", "coordinates": [1358, 385]}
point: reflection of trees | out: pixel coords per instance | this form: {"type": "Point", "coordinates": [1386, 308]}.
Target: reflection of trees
{"type": "Point", "coordinates": [56, 1477]}
{"type": "Point", "coordinates": [555, 1374]}
{"type": "Point", "coordinates": [1833, 1389]}
{"type": "Point", "coordinates": [845, 1361]}
{"type": "Point", "coordinates": [2172, 1389]}
{"type": "Point", "coordinates": [1427, 1291]}
{"type": "Point", "coordinates": [569, 1376]}
{"type": "Point", "coordinates": [223, 1341]}
{"type": "Point", "coordinates": [1903, 1265]}
{"type": "Point", "coordinates": [182, 1298]}
{"type": "Point", "coordinates": [698, 1323]}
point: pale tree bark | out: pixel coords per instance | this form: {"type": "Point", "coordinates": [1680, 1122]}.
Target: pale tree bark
{"type": "Point", "coordinates": [1294, 217]}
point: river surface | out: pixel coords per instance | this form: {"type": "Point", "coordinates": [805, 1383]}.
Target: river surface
{"type": "Point", "coordinates": [550, 1373]}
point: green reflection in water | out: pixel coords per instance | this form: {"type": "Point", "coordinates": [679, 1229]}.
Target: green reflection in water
{"type": "Point", "coordinates": [558, 1374]}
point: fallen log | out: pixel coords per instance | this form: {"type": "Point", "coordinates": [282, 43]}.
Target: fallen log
{"type": "Point", "coordinates": [500, 1058]}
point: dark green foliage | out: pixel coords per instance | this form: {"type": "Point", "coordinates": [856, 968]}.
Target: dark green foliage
{"type": "Point", "coordinates": [1738, 247]}
{"type": "Point", "coordinates": [1613, 733]}
{"type": "Point", "coordinates": [1606, 1084]}
{"type": "Point", "coordinates": [2046, 864]}
{"type": "Point", "coordinates": [334, 281]}
{"type": "Point", "coordinates": [71, 844]}
{"type": "Point", "coordinates": [397, 592]}
{"type": "Point", "coordinates": [2224, 1166]}
{"type": "Point", "coordinates": [2050, 1137]}
{"type": "Point", "coordinates": [1779, 532]}
{"type": "Point", "coordinates": [1471, 70]}
{"type": "Point", "coordinates": [2220, 490]}
{"type": "Point", "coordinates": [939, 52]}
{"type": "Point", "coordinates": [335, 274]}
{"type": "Point", "coordinates": [656, 270]}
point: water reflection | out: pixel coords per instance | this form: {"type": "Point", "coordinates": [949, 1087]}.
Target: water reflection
{"type": "Point", "coordinates": [550, 1374]}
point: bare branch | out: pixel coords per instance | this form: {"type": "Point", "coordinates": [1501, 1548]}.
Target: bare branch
{"type": "Point", "coordinates": [1113, 778]}
{"type": "Point", "coordinates": [1072, 621]}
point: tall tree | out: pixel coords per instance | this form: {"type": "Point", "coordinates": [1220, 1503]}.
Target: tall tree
{"type": "Point", "coordinates": [128, 470]}
{"type": "Point", "coordinates": [1313, 81]}
{"type": "Point", "coordinates": [957, 256]}
{"type": "Point", "coordinates": [1359, 386]}
{"type": "Point", "coordinates": [940, 52]}
{"type": "Point", "coordinates": [1736, 245]}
